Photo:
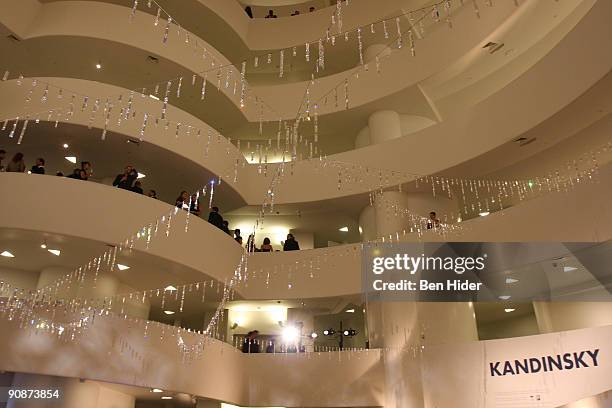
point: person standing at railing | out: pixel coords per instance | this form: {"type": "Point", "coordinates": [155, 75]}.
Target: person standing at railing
{"type": "Point", "coordinates": [17, 165]}
{"type": "Point", "coordinates": [250, 344]}
{"type": "Point", "coordinates": [39, 167]}
{"type": "Point", "coordinates": [291, 244]}
{"type": "Point", "coordinates": [126, 179]}
{"type": "Point", "coordinates": [2, 157]}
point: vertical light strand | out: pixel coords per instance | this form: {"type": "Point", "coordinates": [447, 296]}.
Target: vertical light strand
{"type": "Point", "coordinates": [346, 94]}
{"type": "Point", "coordinates": [203, 91]}
{"type": "Point", "coordinates": [23, 130]}
{"type": "Point", "coordinates": [400, 41]}
{"type": "Point", "coordinates": [178, 88]}
{"type": "Point", "coordinates": [321, 59]}
{"type": "Point", "coordinates": [360, 45]}
{"type": "Point", "coordinates": [167, 30]}
{"type": "Point", "coordinates": [165, 102]}
{"type": "Point", "coordinates": [242, 83]}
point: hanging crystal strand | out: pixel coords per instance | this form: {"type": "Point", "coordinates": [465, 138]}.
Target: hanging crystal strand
{"type": "Point", "coordinates": [316, 125]}
{"type": "Point", "coordinates": [243, 81]}
{"type": "Point", "coordinates": [203, 91]}
{"type": "Point", "coordinates": [23, 130]}
{"type": "Point", "coordinates": [128, 109]}
{"type": "Point", "coordinates": [307, 52]}
{"type": "Point", "coordinates": [447, 8]}
{"type": "Point", "coordinates": [157, 16]}
{"type": "Point", "coordinates": [5, 76]}
{"type": "Point", "coordinates": [178, 88]}
{"type": "Point", "coordinates": [178, 129]}
{"type": "Point", "coordinates": [360, 45]}
{"type": "Point", "coordinates": [281, 70]}
{"type": "Point", "coordinates": [339, 15]}
{"type": "Point", "coordinates": [133, 13]}
{"type": "Point", "coordinates": [144, 126]}
{"type": "Point", "coordinates": [12, 132]}
{"type": "Point", "coordinates": [476, 8]}
{"type": "Point", "coordinates": [107, 111]}
{"type": "Point", "coordinates": [167, 30]}
{"type": "Point", "coordinates": [165, 102]}
{"type": "Point", "coordinates": [346, 94]}
{"type": "Point", "coordinates": [321, 58]}
{"type": "Point", "coordinates": [4, 124]}
{"type": "Point", "coordinates": [400, 41]}
{"type": "Point", "coordinates": [385, 29]}
{"type": "Point", "coordinates": [411, 40]}
{"type": "Point", "coordinates": [94, 111]}
{"type": "Point", "coordinates": [435, 13]}
{"type": "Point", "coordinates": [212, 193]}
{"type": "Point", "coordinates": [45, 96]}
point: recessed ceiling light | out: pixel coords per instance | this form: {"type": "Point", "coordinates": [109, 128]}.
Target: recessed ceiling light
{"type": "Point", "coordinates": [343, 229]}
{"type": "Point", "coordinates": [55, 252]}
{"type": "Point", "coordinates": [65, 145]}
{"type": "Point", "coordinates": [504, 297]}
{"type": "Point", "coordinates": [141, 175]}
{"type": "Point", "coordinates": [29, 172]}
{"type": "Point", "coordinates": [169, 312]}
{"type": "Point", "coordinates": [484, 213]}
{"type": "Point", "coordinates": [509, 310]}
{"type": "Point", "coordinates": [154, 97]}
{"type": "Point", "coordinates": [43, 245]}
{"type": "Point", "coordinates": [511, 280]}
{"type": "Point", "coordinates": [156, 390]}
{"type": "Point", "coordinates": [71, 159]}
{"type": "Point", "coordinates": [166, 397]}
{"type": "Point", "coordinates": [98, 66]}
{"type": "Point", "coordinates": [122, 267]}
{"type": "Point", "coordinates": [7, 254]}
{"type": "Point", "coordinates": [314, 335]}
{"type": "Point", "coordinates": [170, 288]}
{"type": "Point", "coordinates": [569, 268]}
{"type": "Point", "coordinates": [350, 310]}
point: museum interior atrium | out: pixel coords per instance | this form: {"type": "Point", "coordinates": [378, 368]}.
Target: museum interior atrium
{"type": "Point", "coordinates": [306, 203]}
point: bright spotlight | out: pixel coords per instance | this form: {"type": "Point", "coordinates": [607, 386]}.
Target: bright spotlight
{"type": "Point", "coordinates": [314, 335]}
{"type": "Point", "coordinates": [346, 333]}
{"type": "Point", "coordinates": [290, 334]}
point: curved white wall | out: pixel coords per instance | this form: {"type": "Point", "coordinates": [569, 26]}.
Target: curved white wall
{"type": "Point", "coordinates": [335, 270]}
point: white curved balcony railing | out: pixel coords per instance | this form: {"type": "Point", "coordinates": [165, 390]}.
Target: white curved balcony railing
{"type": "Point", "coordinates": [582, 214]}
{"type": "Point", "coordinates": [439, 50]}
{"type": "Point", "coordinates": [470, 126]}
{"type": "Point", "coordinates": [454, 375]}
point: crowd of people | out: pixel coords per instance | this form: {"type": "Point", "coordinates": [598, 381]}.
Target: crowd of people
{"type": "Point", "coordinates": [128, 180]}
{"type": "Point", "coordinates": [272, 14]}
{"type": "Point", "coordinates": [191, 203]}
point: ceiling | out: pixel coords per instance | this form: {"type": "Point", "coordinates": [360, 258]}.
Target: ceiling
{"type": "Point", "coordinates": [146, 271]}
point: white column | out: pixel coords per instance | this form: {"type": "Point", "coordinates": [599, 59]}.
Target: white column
{"type": "Point", "coordinates": [384, 125]}
{"type": "Point", "coordinates": [403, 329]}
{"type": "Point", "coordinates": [74, 393]}
{"type": "Point", "coordinates": [367, 223]}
